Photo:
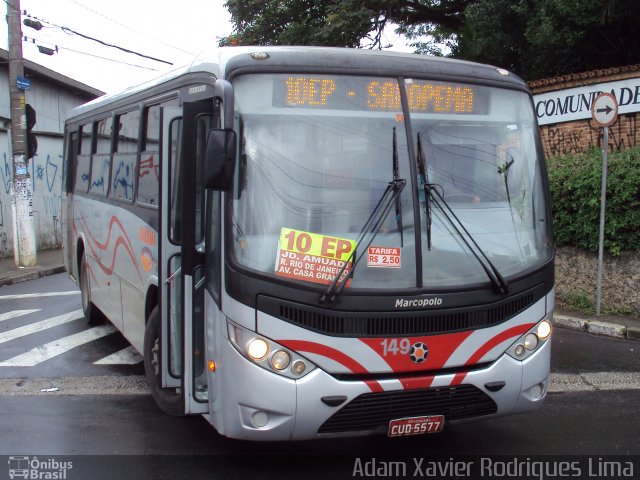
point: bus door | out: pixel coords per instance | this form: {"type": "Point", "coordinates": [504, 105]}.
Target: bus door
{"type": "Point", "coordinates": [182, 275]}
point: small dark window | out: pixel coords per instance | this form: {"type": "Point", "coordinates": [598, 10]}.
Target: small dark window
{"type": "Point", "coordinates": [128, 128]}
{"type": "Point", "coordinates": [103, 135]}
{"type": "Point", "coordinates": [86, 139]}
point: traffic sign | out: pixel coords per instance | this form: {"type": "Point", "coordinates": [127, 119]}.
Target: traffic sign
{"type": "Point", "coordinates": [604, 110]}
{"type": "Point", "coordinates": [23, 83]}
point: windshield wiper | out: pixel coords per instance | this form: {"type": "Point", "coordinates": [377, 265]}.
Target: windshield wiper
{"type": "Point", "coordinates": [424, 178]}
{"type": "Point", "coordinates": [504, 170]}
{"type": "Point", "coordinates": [396, 175]}
{"type": "Point", "coordinates": [432, 194]}
{"type": "Point", "coordinates": [371, 227]}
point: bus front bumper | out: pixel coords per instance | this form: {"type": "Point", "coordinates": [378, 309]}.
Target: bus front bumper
{"type": "Point", "coordinates": [262, 406]}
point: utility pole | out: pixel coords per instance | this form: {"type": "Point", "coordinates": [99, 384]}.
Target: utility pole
{"type": "Point", "coordinates": [21, 194]}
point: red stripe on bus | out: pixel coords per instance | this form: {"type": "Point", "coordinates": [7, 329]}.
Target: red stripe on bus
{"type": "Point", "coordinates": [484, 349]}
{"type": "Point", "coordinates": [333, 354]}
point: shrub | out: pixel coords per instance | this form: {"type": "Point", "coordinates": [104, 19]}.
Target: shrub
{"type": "Point", "coordinates": [575, 183]}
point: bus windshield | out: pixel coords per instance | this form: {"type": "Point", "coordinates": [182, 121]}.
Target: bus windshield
{"type": "Point", "coordinates": [317, 153]}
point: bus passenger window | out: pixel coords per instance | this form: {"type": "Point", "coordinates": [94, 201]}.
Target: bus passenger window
{"type": "Point", "coordinates": [123, 176]}
{"type": "Point", "coordinates": [84, 159]}
{"type": "Point", "coordinates": [101, 160]}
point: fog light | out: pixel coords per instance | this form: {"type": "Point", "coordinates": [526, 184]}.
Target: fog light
{"type": "Point", "coordinates": [531, 341]}
{"type": "Point", "coordinates": [258, 349]}
{"type": "Point", "coordinates": [519, 351]}
{"type": "Point", "coordinates": [260, 419]}
{"type": "Point", "coordinates": [280, 360]}
{"type": "Point", "coordinates": [544, 330]}
{"type": "Point", "coordinates": [536, 391]}
{"type": "Point", "coordinates": [298, 367]}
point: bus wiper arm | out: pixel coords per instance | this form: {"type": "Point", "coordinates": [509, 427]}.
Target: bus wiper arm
{"type": "Point", "coordinates": [396, 175]}
{"type": "Point", "coordinates": [498, 281]}
{"type": "Point", "coordinates": [371, 227]}
{"type": "Point", "coordinates": [424, 178]}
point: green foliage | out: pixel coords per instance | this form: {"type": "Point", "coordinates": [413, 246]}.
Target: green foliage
{"type": "Point", "coordinates": [575, 184]}
{"type": "Point", "coordinates": [579, 301]}
{"type": "Point", "coordinates": [543, 38]}
{"type": "Point", "coordinates": [339, 23]}
{"type": "Point", "coordinates": [533, 38]}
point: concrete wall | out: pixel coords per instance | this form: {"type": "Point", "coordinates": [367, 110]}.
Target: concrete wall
{"type": "Point", "coordinates": [46, 180]}
{"type": "Point", "coordinates": [576, 276]}
{"type": "Point", "coordinates": [563, 106]}
{"type": "Point", "coordinates": [53, 97]}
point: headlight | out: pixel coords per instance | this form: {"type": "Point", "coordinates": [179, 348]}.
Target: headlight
{"type": "Point", "coordinates": [531, 341]}
{"type": "Point", "coordinates": [258, 349]}
{"type": "Point", "coordinates": [267, 353]}
{"type": "Point", "coordinates": [280, 360]}
{"type": "Point", "coordinates": [544, 330]}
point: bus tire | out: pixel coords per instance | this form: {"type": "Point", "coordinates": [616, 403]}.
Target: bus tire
{"type": "Point", "coordinates": [167, 399]}
{"type": "Point", "coordinates": [88, 308]}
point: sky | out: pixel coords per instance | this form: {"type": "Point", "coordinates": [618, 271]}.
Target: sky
{"type": "Point", "coordinates": [173, 32]}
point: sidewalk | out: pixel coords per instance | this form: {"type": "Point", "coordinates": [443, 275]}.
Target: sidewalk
{"type": "Point", "coordinates": [51, 262]}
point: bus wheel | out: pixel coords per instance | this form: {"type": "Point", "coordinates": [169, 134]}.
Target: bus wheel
{"type": "Point", "coordinates": [85, 292]}
{"type": "Point", "coordinates": [167, 399]}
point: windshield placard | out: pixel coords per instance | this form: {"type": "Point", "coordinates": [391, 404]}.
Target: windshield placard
{"type": "Point", "coordinates": [312, 257]}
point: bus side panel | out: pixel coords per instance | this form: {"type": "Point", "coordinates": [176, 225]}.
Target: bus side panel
{"type": "Point", "coordinates": [93, 220]}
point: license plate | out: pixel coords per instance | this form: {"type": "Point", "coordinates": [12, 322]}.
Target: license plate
{"type": "Point", "coordinates": [415, 425]}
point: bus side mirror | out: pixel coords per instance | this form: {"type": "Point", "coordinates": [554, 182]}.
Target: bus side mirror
{"type": "Point", "coordinates": [220, 159]}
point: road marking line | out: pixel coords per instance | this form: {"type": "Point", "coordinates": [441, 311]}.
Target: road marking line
{"type": "Point", "coordinates": [40, 326]}
{"type": "Point", "coordinates": [38, 295]}
{"type": "Point", "coordinates": [52, 349]}
{"type": "Point", "coordinates": [126, 356]}
{"type": "Point", "coordinates": [16, 313]}
{"type": "Point", "coordinates": [98, 385]}
{"type": "Point", "coordinates": [135, 384]}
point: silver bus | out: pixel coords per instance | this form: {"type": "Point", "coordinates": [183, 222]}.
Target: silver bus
{"type": "Point", "coordinates": [310, 242]}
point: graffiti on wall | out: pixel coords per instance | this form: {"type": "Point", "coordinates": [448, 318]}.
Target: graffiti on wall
{"type": "Point", "coordinates": [46, 184]}
{"type": "Point", "coordinates": [570, 139]}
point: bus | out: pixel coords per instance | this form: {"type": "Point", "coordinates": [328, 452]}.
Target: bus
{"type": "Point", "coordinates": [311, 242]}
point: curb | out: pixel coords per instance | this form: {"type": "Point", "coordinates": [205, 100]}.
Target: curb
{"type": "Point", "coordinates": [597, 327]}
{"type": "Point", "coordinates": [26, 276]}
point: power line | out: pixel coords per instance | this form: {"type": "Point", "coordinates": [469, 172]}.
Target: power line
{"type": "Point", "coordinates": [102, 42]}
{"type": "Point", "coordinates": [129, 28]}
{"type": "Point", "coordinates": [59, 47]}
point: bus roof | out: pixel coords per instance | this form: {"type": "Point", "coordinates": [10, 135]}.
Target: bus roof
{"type": "Point", "coordinates": [225, 62]}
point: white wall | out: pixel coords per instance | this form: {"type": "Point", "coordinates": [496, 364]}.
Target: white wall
{"type": "Point", "coordinates": [52, 104]}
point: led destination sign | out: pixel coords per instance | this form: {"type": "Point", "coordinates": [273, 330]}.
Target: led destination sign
{"type": "Point", "coordinates": [376, 94]}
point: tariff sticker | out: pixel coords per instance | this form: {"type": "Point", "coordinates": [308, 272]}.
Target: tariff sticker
{"type": "Point", "coordinates": [383, 257]}
{"type": "Point", "coordinates": [312, 257]}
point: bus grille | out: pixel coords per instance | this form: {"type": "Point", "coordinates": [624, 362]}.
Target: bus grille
{"type": "Point", "coordinates": [399, 323]}
{"type": "Point", "coordinates": [371, 411]}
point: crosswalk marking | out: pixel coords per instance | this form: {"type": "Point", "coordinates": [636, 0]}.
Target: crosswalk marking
{"type": "Point", "coordinates": [16, 313]}
{"type": "Point", "coordinates": [53, 349]}
{"type": "Point", "coordinates": [39, 295]}
{"type": "Point", "coordinates": [126, 356]}
{"type": "Point", "coordinates": [40, 326]}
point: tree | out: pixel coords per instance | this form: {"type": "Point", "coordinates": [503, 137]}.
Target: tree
{"type": "Point", "coordinates": [533, 38]}
{"type": "Point", "coordinates": [543, 38]}
{"type": "Point", "coordinates": [344, 23]}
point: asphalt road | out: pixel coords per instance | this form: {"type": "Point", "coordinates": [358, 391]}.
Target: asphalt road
{"type": "Point", "coordinates": [65, 392]}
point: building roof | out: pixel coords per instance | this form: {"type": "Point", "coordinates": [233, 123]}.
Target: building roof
{"type": "Point", "coordinates": [32, 69]}
{"type": "Point", "coordinates": [582, 78]}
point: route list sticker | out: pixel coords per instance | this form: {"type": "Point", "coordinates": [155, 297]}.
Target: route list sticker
{"type": "Point", "coordinates": [312, 257]}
